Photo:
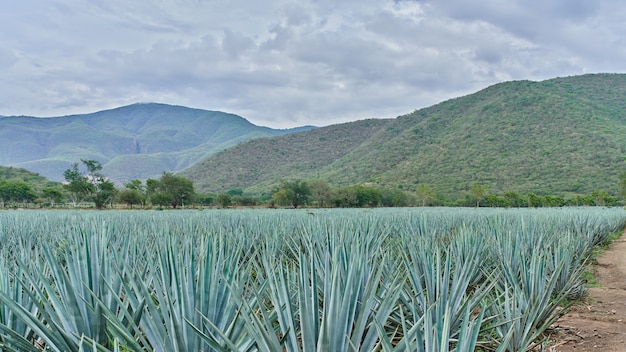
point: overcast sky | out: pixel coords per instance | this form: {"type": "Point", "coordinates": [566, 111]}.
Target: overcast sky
{"type": "Point", "coordinates": [290, 63]}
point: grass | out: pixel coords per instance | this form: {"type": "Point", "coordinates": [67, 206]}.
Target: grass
{"type": "Point", "coordinates": [589, 274]}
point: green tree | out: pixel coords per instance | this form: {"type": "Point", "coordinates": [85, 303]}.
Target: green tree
{"type": "Point", "coordinates": [584, 200]}
{"type": "Point", "coordinates": [16, 192]}
{"type": "Point", "coordinates": [224, 200]}
{"type": "Point", "coordinates": [102, 191]}
{"type": "Point", "coordinates": [92, 184]}
{"type": "Point", "coordinates": [345, 197]}
{"type": "Point", "coordinates": [357, 197]}
{"type": "Point", "coordinates": [367, 196]}
{"type": "Point", "coordinates": [77, 184]}
{"type": "Point", "coordinates": [133, 193]}
{"type": "Point", "coordinates": [130, 197]}
{"type": "Point", "coordinates": [534, 201]}
{"type": "Point", "coordinates": [321, 192]}
{"type": "Point", "coordinates": [281, 197]}
{"type": "Point", "coordinates": [246, 200]}
{"type": "Point", "coordinates": [390, 197]}
{"type": "Point", "coordinates": [295, 192]}
{"type": "Point", "coordinates": [135, 185]}
{"type": "Point", "coordinates": [425, 193]}
{"type": "Point", "coordinates": [3, 193]}
{"type": "Point", "coordinates": [105, 193]}
{"type": "Point", "coordinates": [602, 198]}
{"type": "Point", "coordinates": [161, 199]}
{"type": "Point", "coordinates": [178, 189]}
{"type": "Point", "coordinates": [152, 186]}
{"type": "Point", "coordinates": [514, 199]}
{"type": "Point", "coordinates": [53, 195]}
{"type": "Point", "coordinates": [553, 201]}
{"type": "Point", "coordinates": [206, 199]}
{"type": "Point", "coordinates": [478, 193]}
{"type": "Point", "coordinates": [493, 200]}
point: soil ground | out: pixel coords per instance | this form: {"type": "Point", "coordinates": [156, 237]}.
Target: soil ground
{"type": "Point", "coordinates": [598, 323]}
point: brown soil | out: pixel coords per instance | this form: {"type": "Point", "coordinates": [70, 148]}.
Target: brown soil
{"type": "Point", "coordinates": [599, 323]}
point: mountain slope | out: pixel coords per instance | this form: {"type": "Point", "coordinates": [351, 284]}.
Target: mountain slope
{"type": "Point", "coordinates": [560, 136]}
{"type": "Point", "coordinates": [264, 161]}
{"type": "Point", "coordinates": [132, 142]}
{"type": "Point", "coordinates": [36, 181]}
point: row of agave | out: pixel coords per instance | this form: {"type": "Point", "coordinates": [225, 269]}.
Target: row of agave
{"type": "Point", "coordinates": [271, 280]}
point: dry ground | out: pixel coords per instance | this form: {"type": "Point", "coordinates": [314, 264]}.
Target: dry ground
{"type": "Point", "coordinates": [598, 324]}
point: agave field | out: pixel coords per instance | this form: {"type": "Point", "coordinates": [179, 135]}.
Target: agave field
{"type": "Point", "coordinates": [428, 279]}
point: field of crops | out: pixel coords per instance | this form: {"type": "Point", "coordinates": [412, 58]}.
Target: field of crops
{"type": "Point", "coordinates": [428, 279]}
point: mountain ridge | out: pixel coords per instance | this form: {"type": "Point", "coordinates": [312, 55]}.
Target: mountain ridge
{"type": "Point", "coordinates": [558, 136]}
{"type": "Point", "coordinates": [136, 141]}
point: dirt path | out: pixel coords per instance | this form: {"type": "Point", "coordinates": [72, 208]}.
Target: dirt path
{"type": "Point", "coordinates": [600, 323]}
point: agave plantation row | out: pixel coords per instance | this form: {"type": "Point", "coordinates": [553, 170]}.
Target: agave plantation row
{"type": "Point", "coordinates": [428, 279]}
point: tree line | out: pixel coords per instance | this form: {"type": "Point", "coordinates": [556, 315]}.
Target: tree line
{"type": "Point", "coordinates": [319, 193]}
{"type": "Point", "coordinates": [86, 185]}
{"type": "Point", "coordinates": [92, 185]}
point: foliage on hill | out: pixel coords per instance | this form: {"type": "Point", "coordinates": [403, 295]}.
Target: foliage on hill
{"type": "Point", "coordinates": [37, 181]}
{"type": "Point", "coordinates": [561, 136]}
{"type": "Point", "coordinates": [132, 142]}
{"type": "Point", "coordinates": [261, 163]}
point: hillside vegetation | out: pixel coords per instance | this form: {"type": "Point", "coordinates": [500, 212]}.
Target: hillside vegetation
{"type": "Point", "coordinates": [132, 142]}
{"type": "Point", "coordinates": [560, 136]}
{"type": "Point", "coordinates": [37, 181]}
{"type": "Point", "coordinates": [262, 163]}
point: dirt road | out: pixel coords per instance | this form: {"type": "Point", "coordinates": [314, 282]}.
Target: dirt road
{"type": "Point", "coordinates": [600, 323]}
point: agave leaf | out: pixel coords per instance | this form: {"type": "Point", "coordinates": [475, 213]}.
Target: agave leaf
{"type": "Point", "coordinates": [211, 340]}
{"type": "Point", "coordinates": [123, 323]}
{"type": "Point", "coordinates": [56, 340]}
{"type": "Point", "coordinates": [10, 340]}
{"type": "Point", "coordinates": [54, 333]}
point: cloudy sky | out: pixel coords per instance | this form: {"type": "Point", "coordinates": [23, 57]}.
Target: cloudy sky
{"type": "Point", "coordinates": [284, 63]}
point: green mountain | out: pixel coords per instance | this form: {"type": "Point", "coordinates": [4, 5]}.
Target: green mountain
{"type": "Point", "coordinates": [561, 136]}
{"type": "Point", "coordinates": [259, 164]}
{"type": "Point", "coordinates": [132, 142]}
{"type": "Point", "coordinates": [37, 181]}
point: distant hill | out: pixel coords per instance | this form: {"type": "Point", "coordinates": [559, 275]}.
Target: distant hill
{"type": "Point", "coordinates": [561, 136]}
{"type": "Point", "coordinates": [262, 163]}
{"type": "Point", "coordinates": [132, 142]}
{"type": "Point", "coordinates": [37, 181]}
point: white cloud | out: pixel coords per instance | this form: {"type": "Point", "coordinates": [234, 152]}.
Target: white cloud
{"type": "Point", "coordinates": [285, 63]}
